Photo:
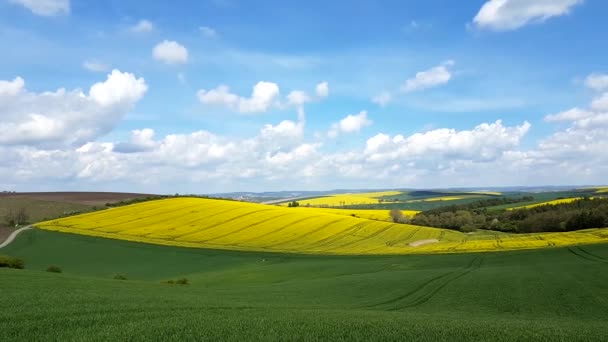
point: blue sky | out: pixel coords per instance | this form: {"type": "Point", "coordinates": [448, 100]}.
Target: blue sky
{"type": "Point", "coordinates": [415, 94]}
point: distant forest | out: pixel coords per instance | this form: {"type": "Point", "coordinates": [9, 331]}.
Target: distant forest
{"type": "Point", "coordinates": [582, 214]}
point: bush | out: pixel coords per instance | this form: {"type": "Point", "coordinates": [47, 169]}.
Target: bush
{"type": "Point", "coordinates": [11, 262]}
{"type": "Point", "coordinates": [182, 281]}
{"type": "Point", "coordinates": [120, 277]}
{"type": "Point", "coordinates": [53, 269]}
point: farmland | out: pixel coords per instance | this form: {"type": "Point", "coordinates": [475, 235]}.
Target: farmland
{"type": "Point", "coordinates": [536, 295]}
{"type": "Point", "coordinates": [348, 199]}
{"type": "Point", "coordinates": [552, 202]}
{"type": "Point", "coordinates": [218, 224]}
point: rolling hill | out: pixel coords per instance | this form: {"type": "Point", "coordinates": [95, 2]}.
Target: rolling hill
{"type": "Point", "coordinates": [220, 224]}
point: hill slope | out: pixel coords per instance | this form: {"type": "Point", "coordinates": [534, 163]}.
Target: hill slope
{"type": "Point", "coordinates": [207, 223]}
{"type": "Point", "coordinates": [553, 294]}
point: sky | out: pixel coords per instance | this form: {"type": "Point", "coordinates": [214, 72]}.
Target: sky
{"type": "Point", "coordinates": [233, 95]}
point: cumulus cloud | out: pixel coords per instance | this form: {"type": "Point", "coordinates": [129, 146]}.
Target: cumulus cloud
{"type": "Point", "coordinates": [504, 15]}
{"type": "Point", "coordinates": [141, 140]}
{"type": "Point", "coordinates": [484, 142]}
{"type": "Point", "coordinates": [95, 66]}
{"type": "Point", "coordinates": [143, 26]}
{"type": "Point", "coordinates": [11, 88]}
{"type": "Point", "coordinates": [430, 78]}
{"type": "Point", "coordinates": [352, 123]}
{"type": "Point", "coordinates": [45, 7]}
{"type": "Point", "coordinates": [263, 96]}
{"type": "Point", "coordinates": [62, 117]}
{"type": "Point", "coordinates": [170, 52]}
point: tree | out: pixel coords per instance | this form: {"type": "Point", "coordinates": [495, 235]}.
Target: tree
{"type": "Point", "coordinates": [397, 216]}
{"type": "Point", "coordinates": [16, 218]}
{"type": "Point", "coordinates": [22, 216]}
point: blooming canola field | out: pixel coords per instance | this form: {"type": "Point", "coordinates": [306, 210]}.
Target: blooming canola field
{"type": "Point", "coordinates": [220, 224]}
{"type": "Point", "coordinates": [348, 199]}
{"type": "Point", "coordinates": [552, 202]}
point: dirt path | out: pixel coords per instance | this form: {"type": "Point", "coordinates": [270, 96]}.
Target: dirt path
{"type": "Point", "coordinates": [423, 242]}
{"type": "Point", "coordinates": [13, 236]}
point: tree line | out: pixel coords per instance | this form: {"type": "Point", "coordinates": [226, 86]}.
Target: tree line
{"type": "Point", "coordinates": [581, 214]}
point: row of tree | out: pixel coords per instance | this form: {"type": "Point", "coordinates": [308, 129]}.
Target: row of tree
{"type": "Point", "coordinates": [581, 214]}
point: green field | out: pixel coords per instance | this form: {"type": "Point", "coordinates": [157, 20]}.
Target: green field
{"type": "Point", "coordinates": [549, 294]}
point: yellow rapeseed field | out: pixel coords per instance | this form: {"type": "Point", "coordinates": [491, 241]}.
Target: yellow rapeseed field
{"type": "Point", "coordinates": [370, 214]}
{"type": "Point", "coordinates": [219, 224]}
{"type": "Point", "coordinates": [442, 198]}
{"type": "Point", "coordinates": [553, 202]}
{"type": "Point", "coordinates": [348, 199]}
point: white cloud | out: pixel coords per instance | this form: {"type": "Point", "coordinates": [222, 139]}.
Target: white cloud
{"type": "Point", "coordinates": [119, 89]}
{"type": "Point", "coordinates": [143, 26]}
{"type": "Point", "coordinates": [569, 115]}
{"type": "Point", "coordinates": [263, 96]}
{"type": "Point", "coordinates": [45, 7]}
{"type": "Point", "coordinates": [504, 15]}
{"type": "Point", "coordinates": [141, 141]}
{"type": "Point", "coordinates": [208, 31]}
{"type": "Point", "coordinates": [597, 82]}
{"type": "Point", "coordinates": [11, 88]}
{"type": "Point", "coordinates": [298, 98]}
{"type": "Point", "coordinates": [170, 52]}
{"type": "Point", "coordinates": [322, 89]}
{"type": "Point", "coordinates": [350, 124]}
{"type": "Point", "coordinates": [95, 66]}
{"type": "Point", "coordinates": [430, 78]}
{"type": "Point", "coordinates": [382, 99]}
{"type": "Point", "coordinates": [600, 103]}
{"type": "Point", "coordinates": [65, 117]}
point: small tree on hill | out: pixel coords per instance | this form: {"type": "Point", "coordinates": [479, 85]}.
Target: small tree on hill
{"type": "Point", "coordinates": [397, 216]}
{"type": "Point", "coordinates": [16, 218]}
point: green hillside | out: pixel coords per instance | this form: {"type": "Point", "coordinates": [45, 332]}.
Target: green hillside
{"type": "Point", "coordinates": [551, 294]}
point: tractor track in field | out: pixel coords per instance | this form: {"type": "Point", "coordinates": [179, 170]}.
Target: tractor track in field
{"type": "Point", "coordinates": [222, 223]}
{"type": "Point", "coordinates": [191, 222]}
{"type": "Point", "coordinates": [583, 254]}
{"type": "Point", "coordinates": [276, 230]}
{"type": "Point", "coordinates": [351, 231]}
{"type": "Point", "coordinates": [306, 234]}
{"type": "Point", "coordinates": [374, 234]}
{"type": "Point", "coordinates": [244, 228]}
{"type": "Point", "coordinates": [428, 289]}
{"type": "Point", "coordinates": [139, 218]}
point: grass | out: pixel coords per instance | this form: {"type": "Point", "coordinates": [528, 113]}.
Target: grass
{"type": "Point", "coordinates": [537, 295]}
{"type": "Point", "coordinates": [208, 223]}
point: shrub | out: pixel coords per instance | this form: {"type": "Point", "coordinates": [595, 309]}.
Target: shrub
{"type": "Point", "coordinates": [182, 281]}
{"type": "Point", "coordinates": [120, 277]}
{"type": "Point", "coordinates": [11, 262]}
{"type": "Point", "coordinates": [53, 269]}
